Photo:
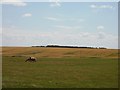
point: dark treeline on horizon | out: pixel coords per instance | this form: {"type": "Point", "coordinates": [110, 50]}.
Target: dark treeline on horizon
{"type": "Point", "coordinates": [58, 46]}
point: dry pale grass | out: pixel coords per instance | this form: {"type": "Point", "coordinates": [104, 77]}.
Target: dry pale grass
{"type": "Point", "coordinates": [59, 52]}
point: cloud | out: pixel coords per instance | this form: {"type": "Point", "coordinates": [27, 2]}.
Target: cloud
{"type": "Point", "coordinates": [106, 6]}
{"type": "Point", "coordinates": [101, 35]}
{"type": "Point", "coordinates": [52, 19]}
{"type": "Point", "coordinates": [101, 6]}
{"type": "Point", "coordinates": [0, 30]}
{"type": "Point", "coordinates": [85, 34]}
{"type": "Point", "coordinates": [63, 27]}
{"type": "Point", "coordinates": [93, 6]}
{"type": "Point", "coordinates": [100, 27]}
{"type": "Point", "coordinates": [17, 37]}
{"type": "Point", "coordinates": [75, 19]}
{"type": "Point", "coordinates": [27, 15]}
{"type": "Point", "coordinates": [14, 2]}
{"type": "Point", "coordinates": [96, 39]}
{"type": "Point", "coordinates": [55, 3]}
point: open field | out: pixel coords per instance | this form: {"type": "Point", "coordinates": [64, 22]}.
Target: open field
{"type": "Point", "coordinates": [60, 68]}
{"type": "Point", "coordinates": [59, 52]}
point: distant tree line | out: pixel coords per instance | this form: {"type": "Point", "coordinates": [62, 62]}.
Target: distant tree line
{"type": "Point", "coordinates": [57, 46]}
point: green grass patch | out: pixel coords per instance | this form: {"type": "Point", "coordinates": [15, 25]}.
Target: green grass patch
{"type": "Point", "coordinates": [60, 73]}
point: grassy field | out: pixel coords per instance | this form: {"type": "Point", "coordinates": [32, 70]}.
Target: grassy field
{"type": "Point", "coordinates": [60, 68]}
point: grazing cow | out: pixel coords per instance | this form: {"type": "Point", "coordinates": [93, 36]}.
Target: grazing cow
{"type": "Point", "coordinates": [31, 59]}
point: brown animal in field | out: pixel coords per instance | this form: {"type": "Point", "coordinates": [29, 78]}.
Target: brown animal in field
{"type": "Point", "coordinates": [31, 59]}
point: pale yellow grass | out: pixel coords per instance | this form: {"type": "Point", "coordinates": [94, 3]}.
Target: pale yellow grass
{"type": "Point", "coordinates": [59, 52]}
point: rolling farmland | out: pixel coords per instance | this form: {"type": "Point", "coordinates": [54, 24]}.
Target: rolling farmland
{"type": "Point", "coordinates": [59, 68]}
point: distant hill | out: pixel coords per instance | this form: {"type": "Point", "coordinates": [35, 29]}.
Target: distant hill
{"type": "Point", "coordinates": [57, 52]}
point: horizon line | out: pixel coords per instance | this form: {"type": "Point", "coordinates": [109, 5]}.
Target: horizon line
{"type": "Point", "coordinates": [55, 45]}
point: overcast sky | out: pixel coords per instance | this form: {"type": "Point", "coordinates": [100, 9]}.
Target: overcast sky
{"type": "Point", "coordinates": [70, 23]}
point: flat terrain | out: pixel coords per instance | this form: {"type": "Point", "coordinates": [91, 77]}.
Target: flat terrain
{"type": "Point", "coordinates": [60, 68]}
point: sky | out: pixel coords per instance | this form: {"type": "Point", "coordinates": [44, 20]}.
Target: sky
{"type": "Point", "coordinates": [60, 23]}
